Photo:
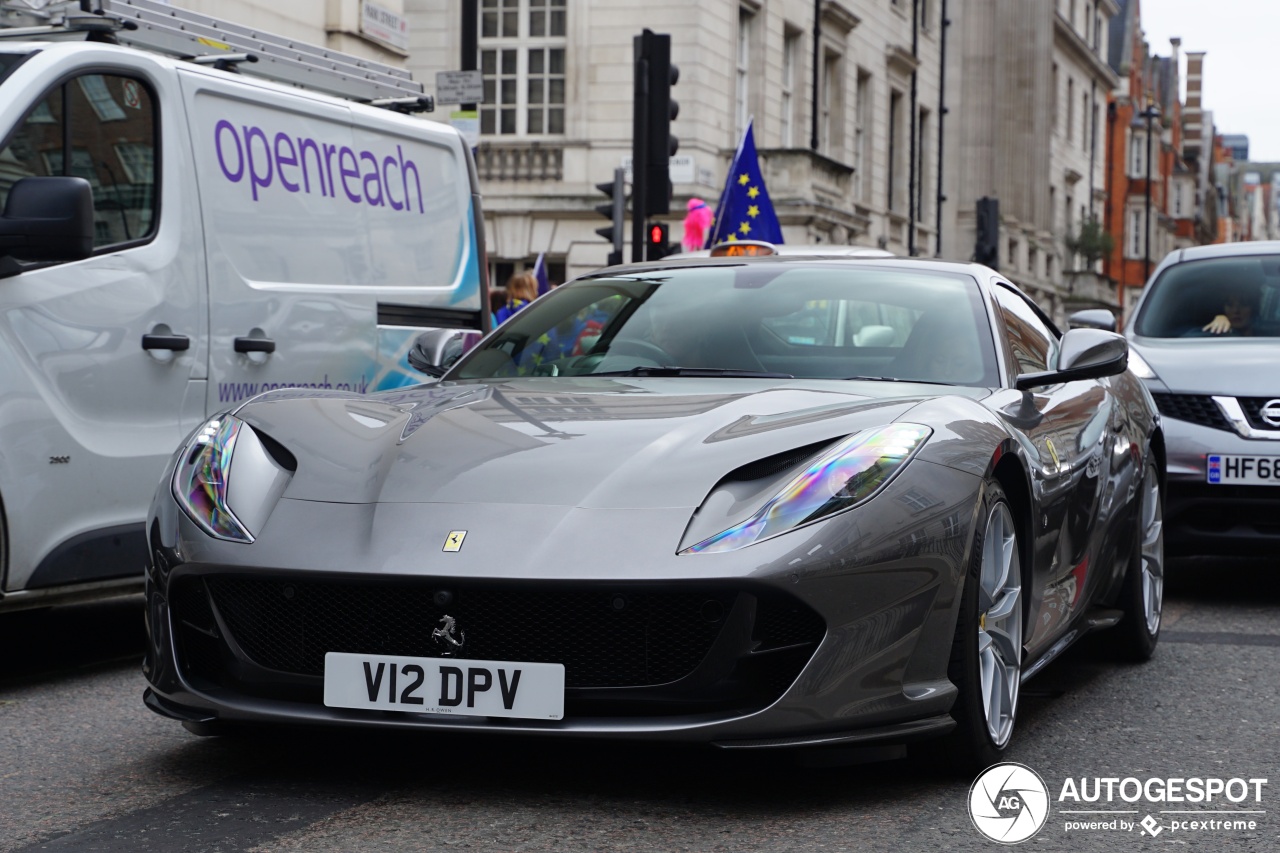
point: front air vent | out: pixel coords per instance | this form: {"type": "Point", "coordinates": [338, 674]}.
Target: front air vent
{"type": "Point", "coordinates": [1193, 408]}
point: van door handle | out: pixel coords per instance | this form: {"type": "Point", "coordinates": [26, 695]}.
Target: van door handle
{"type": "Point", "coordinates": [177, 343]}
{"type": "Point", "coordinates": [255, 345]}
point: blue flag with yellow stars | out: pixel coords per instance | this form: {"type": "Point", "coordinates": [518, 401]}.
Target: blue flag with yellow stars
{"type": "Point", "coordinates": [745, 212]}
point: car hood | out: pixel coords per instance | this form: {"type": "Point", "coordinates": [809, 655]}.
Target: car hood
{"type": "Point", "coordinates": [584, 442]}
{"type": "Point", "coordinates": [1238, 367]}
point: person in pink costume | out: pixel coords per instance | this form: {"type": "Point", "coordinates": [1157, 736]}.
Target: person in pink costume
{"type": "Point", "coordinates": [697, 222]}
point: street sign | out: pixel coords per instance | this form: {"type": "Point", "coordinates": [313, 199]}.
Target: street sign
{"type": "Point", "coordinates": [682, 168]}
{"type": "Point", "coordinates": [459, 87]}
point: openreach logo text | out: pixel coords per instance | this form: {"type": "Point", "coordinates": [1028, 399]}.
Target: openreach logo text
{"type": "Point", "coordinates": [1010, 803]}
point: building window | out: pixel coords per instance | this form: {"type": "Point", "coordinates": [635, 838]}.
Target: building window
{"type": "Point", "coordinates": [742, 108]}
{"type": "Point", "coordinates": [1071, 108]}
{"type": "Point", "coordinates": [862, 138]}
{"type": "Point", "coordinates": [832, 117]}
{"type": "Point", "coordinates": [790, 60]}
{"type": "Point", "coordinates": [1177, 201]}
{"type": "Point", "coordinates": [522, 57]}
{"type": "Point", "coordinates": [1053, 96]}
{"type": "Point", "coordinates": [893, 198]}
{"type": "Point", "coordinates": [1134, 243]}
{"type": "Point", "coordinates": [1085, 133]}
{"type": "Point", "coordinates": [1137, 154]}
{"type": "Point", "coordinates": [923, 135]}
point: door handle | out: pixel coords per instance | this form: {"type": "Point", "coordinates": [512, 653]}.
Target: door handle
{"type": "Point", "coordinates": [255, 345]}
{"type": "Point", "coordinates": [177, 343]}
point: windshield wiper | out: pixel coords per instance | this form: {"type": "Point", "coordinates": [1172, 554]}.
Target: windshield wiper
{"type": "Point", "coordinates": [671, 370]}
{"type": "Point", "coordinates": [895, 379]}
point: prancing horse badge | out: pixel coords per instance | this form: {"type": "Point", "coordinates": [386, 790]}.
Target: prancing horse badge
{"type": "Point", "coordinates": [454, 542]}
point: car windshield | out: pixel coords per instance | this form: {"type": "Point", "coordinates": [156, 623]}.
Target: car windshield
{"type": "Point", "coordinates": [760, 319]}
{"type": "Point", "coordinates": [1216, 297]}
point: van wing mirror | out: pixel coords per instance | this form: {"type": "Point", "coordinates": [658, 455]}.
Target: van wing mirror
{"type": "Point", "coordinates": [48, 219]}
{"type": "Point", "coordinates": [1082, 354]}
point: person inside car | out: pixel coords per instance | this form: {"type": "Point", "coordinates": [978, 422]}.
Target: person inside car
{"type": "Point", "coordinates": [1238, 313]}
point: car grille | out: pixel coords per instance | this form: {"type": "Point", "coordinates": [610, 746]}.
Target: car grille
{"type": "Point", "coordinates": [605, 636]}
{"type": "Point", "coordinates": [1253, 411]}
{"type": "Point", "coordinates": [1194, 408]}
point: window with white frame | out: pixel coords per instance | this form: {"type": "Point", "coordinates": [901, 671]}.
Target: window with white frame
{"type": "Point", "coordinates": [895, 189]}
{"type": "Point", "coordinates": [522, 57]}
{"type": "Point", "coordinates": [1137, 154]}
{"type": "Point", "coordinates": [1133, 245]}
{"type": "Point", "coordinates": [742, 92]}
{"type": "Point", "coordinates": [1086, 133]}
{"type": "Point", "coordinates": [790, 63]}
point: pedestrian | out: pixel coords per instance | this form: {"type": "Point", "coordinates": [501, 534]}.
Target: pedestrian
{"type": "Point", "coordinates": [522, 288]}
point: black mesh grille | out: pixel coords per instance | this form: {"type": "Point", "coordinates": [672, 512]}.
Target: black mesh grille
{"type": "Point", "coordinates": [1253, 411]}
{"type": "Point", "coordinates": [604, 637]}
{"type": "Point", "coordinates": [1195, 408]}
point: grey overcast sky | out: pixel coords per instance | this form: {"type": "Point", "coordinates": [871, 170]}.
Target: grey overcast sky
{"type": "Point", "coordinates": [1239, 38]}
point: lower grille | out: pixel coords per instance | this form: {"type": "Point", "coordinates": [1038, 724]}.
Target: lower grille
{"type": "Point", "coordinates": [605, 636]}
{"type": "Point", "coordinates": [1194, 408]}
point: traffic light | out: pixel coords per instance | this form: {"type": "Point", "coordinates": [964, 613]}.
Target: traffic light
{"type": "Point", "coordinates": [986, 247]}
{"type": "Point", "coordinates": [652, 146]}
{"type": "Point", "coordinates": [656, 241]}
{"type": "Point", "coordinates": [615, 211]}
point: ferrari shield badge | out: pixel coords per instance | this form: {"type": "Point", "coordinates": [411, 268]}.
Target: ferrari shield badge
{"type": "Point", "coordinates": [454, 540]}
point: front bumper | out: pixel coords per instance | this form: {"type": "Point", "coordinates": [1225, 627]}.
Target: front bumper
{"type": "Point", "coordinates": [838, 632]}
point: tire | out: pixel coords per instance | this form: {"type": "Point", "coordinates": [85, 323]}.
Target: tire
{"type": "Point", "coordinates": [1142, 594]}
{"type": "Point", "coordinates": [986, 655]}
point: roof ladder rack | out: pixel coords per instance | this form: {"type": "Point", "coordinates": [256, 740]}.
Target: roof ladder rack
{"type": "Point", "coordinates": [185, 34]}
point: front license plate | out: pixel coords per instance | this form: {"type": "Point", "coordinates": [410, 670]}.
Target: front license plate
{"type": "Point", "coordinates": [1244, 470]}
{"type": "Point", "coordinates": [465, 688]}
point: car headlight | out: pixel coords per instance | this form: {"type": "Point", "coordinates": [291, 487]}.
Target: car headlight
{"type": "Point", "coordinates": [206, 490]}
{"type": "Point", "coordinates": [1139, 366]}
{"type": "Point", "coordinates": [848, 474]}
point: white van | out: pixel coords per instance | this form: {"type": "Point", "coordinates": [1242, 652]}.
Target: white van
{"type": "Point", "coordinates": [176, 238]}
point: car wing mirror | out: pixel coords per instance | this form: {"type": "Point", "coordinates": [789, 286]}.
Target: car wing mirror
{"type": "Point", "coordinates": [48, 219]}
{"type": "Point", "coordinates": [1093, 318]}
{"type": "Point", "coordinates": [1082, 354]}
{"type": "Point", "coordinates": [435, 351]}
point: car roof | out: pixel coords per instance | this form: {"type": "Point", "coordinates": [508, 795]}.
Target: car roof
{"type": "Point", "coordinates": [827, 250]}
{"type": "Point", "coordinates": [1227, 250]}
{"type": "Point", "coordinates": [887, 261]}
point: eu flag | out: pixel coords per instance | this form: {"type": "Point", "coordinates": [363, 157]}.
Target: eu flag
{"type": "Point", "coordinates": [745, 212]}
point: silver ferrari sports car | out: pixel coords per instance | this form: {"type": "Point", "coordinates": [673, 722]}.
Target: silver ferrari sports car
{"type": "Point", "coordinates": [777, 502]}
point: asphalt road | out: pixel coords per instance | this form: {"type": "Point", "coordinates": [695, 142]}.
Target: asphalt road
{"type": "Point", "coordinates": [85, 767]}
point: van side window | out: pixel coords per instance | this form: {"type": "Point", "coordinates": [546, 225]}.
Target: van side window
{"type": "Point", "coordinates": [102, 128]}
{"type": "Point", "coordinates": [1035, 347]}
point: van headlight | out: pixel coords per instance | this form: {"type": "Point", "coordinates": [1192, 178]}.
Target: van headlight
{"type": "Point", "coordinates": [225, 464]}
{"type": "Point", "coordinates": [850, 473]}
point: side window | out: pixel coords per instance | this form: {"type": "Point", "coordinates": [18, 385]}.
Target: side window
{"type": "Point", "coordinates": [1034, 346]}
{"type": "Point", "coordinates": [102, 128]}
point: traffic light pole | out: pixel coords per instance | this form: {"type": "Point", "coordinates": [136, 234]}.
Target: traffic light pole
{"type": "Point", "coordinates": [640, 148]}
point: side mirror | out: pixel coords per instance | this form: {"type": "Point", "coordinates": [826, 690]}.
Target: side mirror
{"type": "Point", "coordinates": [1093, 318]}
{"type": "Point", "coordinates": [434, 351]}
{"type": "Point", "coordinates": [1082, 354]}
{"type": "Point", "coordinates": [48, 219]}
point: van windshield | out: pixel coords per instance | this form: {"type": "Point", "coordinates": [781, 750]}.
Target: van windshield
{"type": "Point", "coordinates": [1215, 297]}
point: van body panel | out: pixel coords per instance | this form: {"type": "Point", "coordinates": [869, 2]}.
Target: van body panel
{"type": "Point", "coordinates": [88, 418]}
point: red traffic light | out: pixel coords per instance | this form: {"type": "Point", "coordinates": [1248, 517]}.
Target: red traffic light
{"type": "Point", "coordinates": [658, 234]}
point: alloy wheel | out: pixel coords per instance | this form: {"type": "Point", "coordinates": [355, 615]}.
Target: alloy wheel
{"type": "Point", "coordinates": [1152, 551]}
{"type": "Point", "coordinates": [1000, 624]}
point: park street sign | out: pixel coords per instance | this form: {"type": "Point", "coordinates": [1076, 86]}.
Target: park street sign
{"type": "Point", "coordinates": [459, 87]}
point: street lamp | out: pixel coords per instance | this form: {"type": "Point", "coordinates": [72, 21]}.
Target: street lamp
{"type": "Point", "coordinates": [1150, 113]}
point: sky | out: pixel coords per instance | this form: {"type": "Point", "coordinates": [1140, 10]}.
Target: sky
{"type": "Point", "coordinates": [1241, 39]}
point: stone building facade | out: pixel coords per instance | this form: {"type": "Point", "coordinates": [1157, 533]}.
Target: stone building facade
{"type": "Point", "coordinates": [1032, 84]}
{"type": "Point", "coordinates": [836, 146]}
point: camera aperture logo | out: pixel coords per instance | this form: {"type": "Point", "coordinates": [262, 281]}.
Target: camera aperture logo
{"type": "Point", "coordinates": [1009, 803]}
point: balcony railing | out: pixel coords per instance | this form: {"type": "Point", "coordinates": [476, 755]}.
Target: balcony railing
{"type": "Point", "coordinates": [526, 162]}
